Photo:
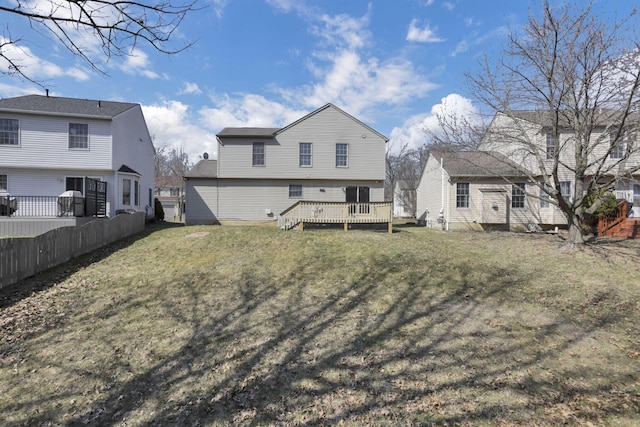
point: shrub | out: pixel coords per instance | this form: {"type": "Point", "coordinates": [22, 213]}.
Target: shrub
{"type": "Point", "coordinates": [158, 209]}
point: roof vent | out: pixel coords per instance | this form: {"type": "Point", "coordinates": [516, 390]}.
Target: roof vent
{"type": "Point", "coordinates": [206, 156]}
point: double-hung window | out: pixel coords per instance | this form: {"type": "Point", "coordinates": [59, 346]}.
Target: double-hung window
{"type": "Point", "coordinates": [462, 195]}
{"type": "Point", "coordinates": [342, 155]}
{"type": "Point", "coordinates": [258, 154]}
{"type": "Point", "coordinates": [551, 146]}
{"type": "Point", "coordinates": [9, 132]}
{"type": "Point", "coordinates": [619, 146]}
{"type": "Point", "coordinates": [4, 184]}
{"type": "Point", "coordinates": [565, 190]}
{"type": "Point", "coordinates": [306, 154]}
{"type": "Point", "coordinates": [544, 196]}
{"type": "Point", "coordinates": [518, 195]}
{"type": "Point", "coordinates": [126, 191]}
{"type": "Point", "coordinates": [295, 190]}
{"type": "Point", "coordinates": [78, 135]}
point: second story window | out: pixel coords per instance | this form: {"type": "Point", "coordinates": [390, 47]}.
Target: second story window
{"type": "Point", "coordinates": [306, 154]}
{"type": "Point", "coordinates": [4, 185]}
{"type": "Point", "coordinates": [462, 195]}
{"type": "Point", "coordinates": [258, 154]}
{"type": "Point", "coordinates": [551, 146]}
{"type": "Point", "coordinates": [78, 135]}
{"type": "Point", "coordinates": [565, 190]}
{"type": "Point", "coordinates": [518, 195]}
{"type": "Point", "coordinates": [9, 131]}
{"type": "Point", "coordinates": [342, 155]}
{"type": "Point", "coordinates": [619, 146]}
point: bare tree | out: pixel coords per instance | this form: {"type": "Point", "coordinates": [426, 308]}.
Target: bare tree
{"type": "Point", "coordinates": [578, 75]}
{"type": "Point", "coordinates": [114, 27]}
{"type": "Point", "coordinates": [171, 166]}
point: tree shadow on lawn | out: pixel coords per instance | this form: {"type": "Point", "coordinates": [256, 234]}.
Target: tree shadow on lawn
{"type": "Point", "coordinates": [285, 352]}
{"type": "Point", "coordinates": [11, 295]}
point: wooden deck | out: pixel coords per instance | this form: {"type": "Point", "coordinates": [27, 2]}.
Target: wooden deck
{"type": "Point", "coordinates": [618, 225]}
{"type": "Point", "coordinates": [307, 212]}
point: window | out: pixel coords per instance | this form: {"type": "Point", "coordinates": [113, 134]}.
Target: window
{"type": "Point", "coordinates": [4, 185]}
{"type": "Point", "coordinates": [9, 131]}
{"type": "Point", "coordinates": [462, 195]}
{"type": "Point", "coordinates": [544, 197]}
{"type": "Point", "coordinates": [126, 191]}
{"type": "Point", "coordinates": [342, 155]}
{"type": "Point", "coordinates": [306, 153]}
{"type": "Point", "coordinates": [258, 154]}
{"type": "Point", "coordinates": [565, 190]}
{"type": "Point", "coordinates": [174, 191]}
{"type": "Point", "coordinates": [551, 146]}
{"type": "Point", "coordinates": [136, 195]}
{"type": "Point", "coordinates": [295, 190]}
{"type": "Point", "coordinates": [74, 183]}
{"type": "Point", "coordinates": [517, 195]}
{"type": "Point", "coordinates": [78, 135]}
{"type": "Point", "coordinates": [619, 147]}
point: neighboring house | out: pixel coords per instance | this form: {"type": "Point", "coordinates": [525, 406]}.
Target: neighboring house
{"type": "Point", "coordinates": [49, 145]}
{"type": "Point", "coordinates": [326, 156]}
{"type": "Point", "coordinates": [504, 131]}
{"type": "Point", "coordinates": [470, 190]}
{"type": "Point", "coordinates": [169, 190]}
{"type": "Point", "coordinates": [404, 200]}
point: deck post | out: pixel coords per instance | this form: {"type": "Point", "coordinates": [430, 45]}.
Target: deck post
{"type": "Point", "coordinates": [346, 226]}
{"type": "Point", "coordinates": [301, 227]}
{"type": "Point", "coordinates": [390, 225]}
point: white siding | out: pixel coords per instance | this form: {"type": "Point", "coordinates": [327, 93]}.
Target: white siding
{"type": "Point", "coordinates": [325, 129]}
{"type": "Point", "coordinates": [209, 201]}
{"type": "Point", "coordinates": [44, 143]}
{"type": "Point", "coordinates": [429, 199]}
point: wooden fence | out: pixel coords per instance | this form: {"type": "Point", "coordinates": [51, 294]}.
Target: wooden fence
{"type": "Point", "coordinates": [23, 257]}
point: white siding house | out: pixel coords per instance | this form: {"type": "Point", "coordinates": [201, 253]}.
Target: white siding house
{"type": "Point", "coordinates": [326, 156]}
{"type": "Point", "coordinates": [50, 144]}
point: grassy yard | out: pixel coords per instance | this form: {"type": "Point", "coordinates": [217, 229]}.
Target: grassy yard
{"type": "Point", "coordinates": [191, 326]}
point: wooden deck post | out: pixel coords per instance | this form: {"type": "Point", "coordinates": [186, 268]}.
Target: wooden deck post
{"type": "Point", "coordinates": [346, 226]}
{"type": "Point", "coordinates": [301, 226]}
{"type": "Point", "coordinates": [390, 225]}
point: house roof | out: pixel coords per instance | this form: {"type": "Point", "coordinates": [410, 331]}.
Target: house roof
{"type": "Point", "coordinates": [544, 118]}
{"type": "Point", "coordinates": [203, 169]}
{"type": "Point", "coordinates": [53, 105]}
{"type": "Point", "coordinates": [477, 164]}
{"type": "Point", "coordinates": [244, 132]}
{"type": "Point", "coordinates": [168, 181]}
{"type": "Point", "coordinates": [329, 105]}
{"type": "Point", "coordinates": [127, 169]}
{"type": "Point", "coordinates": [255, 132]}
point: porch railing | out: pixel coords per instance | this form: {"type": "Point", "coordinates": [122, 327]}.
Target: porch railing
{"type": "Point", "coordinates": [41, 206]}
{"type": "Point", "coordinates": [335, 213]}
{"type": "Point", "coordinates": [607, 222]}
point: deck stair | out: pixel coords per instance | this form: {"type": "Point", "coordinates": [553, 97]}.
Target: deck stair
{"type": "Point", "coordinates": [618, 225]}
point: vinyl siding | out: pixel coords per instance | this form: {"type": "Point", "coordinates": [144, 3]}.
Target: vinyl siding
{"type": "Point", "coordinates": [44, 143]}
{"type": "Point", "coordinates": [429, 200]}
{"type": "Point", "coordinates": [209, 201]}
{"type": "Point", "coordinates": [325, 129]}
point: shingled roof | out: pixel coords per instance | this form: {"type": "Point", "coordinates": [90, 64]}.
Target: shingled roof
{"type": "Point", "coordinates": [545, 118]}
{"type": "Point", "coordinates": [477, 164]}
{"type": "Point", "coordinates": [203, 169]}
{"type": "Point", "coordinates": [64, 106]}
{"type": "Point", "coordinates": [244, 132]}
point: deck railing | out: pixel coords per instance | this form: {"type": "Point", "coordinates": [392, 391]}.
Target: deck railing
{"type": "Point", "coordinates": [41, 206]}
{"type": "Point", "coordinates": [336, 213]}
{"type": "Point", "coordinates": [607, 222]}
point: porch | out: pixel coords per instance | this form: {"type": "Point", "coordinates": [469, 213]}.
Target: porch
{"type": "Point", "coordinates": [618, 224]}
{"type": "Point", "coordinates": [307, 212]}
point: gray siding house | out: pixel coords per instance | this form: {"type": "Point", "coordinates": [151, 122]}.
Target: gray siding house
{"type": "Point", "coordinates": [326, 156]}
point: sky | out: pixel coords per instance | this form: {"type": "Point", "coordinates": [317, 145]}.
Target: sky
{"type": "Point", "coordinates": [393, 64]}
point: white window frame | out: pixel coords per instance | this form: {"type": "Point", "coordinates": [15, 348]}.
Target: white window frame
{"type": "Point", "coordinates": [551, 146]}
{"type": "Point", "coordinates": [128, 193]}
{"type": "Point", "coordinates": [565, 190]}
{"type": "Point", "coordinates": [4, 182]}
{"type": "Point", "coordinates": [293, 191]}
{"type": "Point", "coordinates": [544, 197]}
{"type": "Point", "coordinates": [78, 141]}
{"type": "Point", "coordinates": [518, 195]}
{"type": "Point", "coordinates": [342, 156]}
{"type": "Point", "coordinates": [305, 157]}
{"type": "Point", "coordinates": [463, 198]}
{"type": "Point", "coordinates": [8, 134]}
{"type": "Point", "coordinates": [258, 157]}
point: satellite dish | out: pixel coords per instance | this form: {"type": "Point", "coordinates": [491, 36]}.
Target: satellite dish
{"type": "Point", "coordinates": [206, 156]}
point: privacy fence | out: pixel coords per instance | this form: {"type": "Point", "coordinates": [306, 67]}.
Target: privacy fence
{"type": "Point", "coordinates": [22, 257]}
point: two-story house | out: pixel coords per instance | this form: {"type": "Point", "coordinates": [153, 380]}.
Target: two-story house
{"type": "Point", "coordinates": [327, 155]}
{"type": "Point", "coordinates": [49, 145]}
{"type": "Point", "coordinates": [507, 185]}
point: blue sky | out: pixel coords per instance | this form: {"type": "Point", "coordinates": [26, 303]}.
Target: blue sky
{"type": "Point", "coordinates": [390, 63]}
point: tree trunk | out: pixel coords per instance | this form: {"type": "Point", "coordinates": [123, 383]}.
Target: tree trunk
{"type": "Point", "coordinates": [575, 235]}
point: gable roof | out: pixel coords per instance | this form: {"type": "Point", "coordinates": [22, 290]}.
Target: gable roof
{"type": "Point", "coordinates": [203, 169]}
{"type": "Point", "coordinates": [477, 164]}
{"type": "Point", "coordinates": [543, 117]}
{"type": "Point", "coordinates": [52, 105]}
{"type": "Point", "coordinates": [329, 105]}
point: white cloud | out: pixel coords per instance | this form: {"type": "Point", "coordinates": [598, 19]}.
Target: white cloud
{"type": "Point", "coordinates": [424, 34]}
{"type": "Point", "coordinates": [36, 68]}
{"type": "Point", "coordinates": [190, 88]}
{"type": "Point", "coordinates": [137, 63]}
{"type": "Point", "coordinates": [413, 132]}
{"type": "Point", "coordinates": [170, 124]}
